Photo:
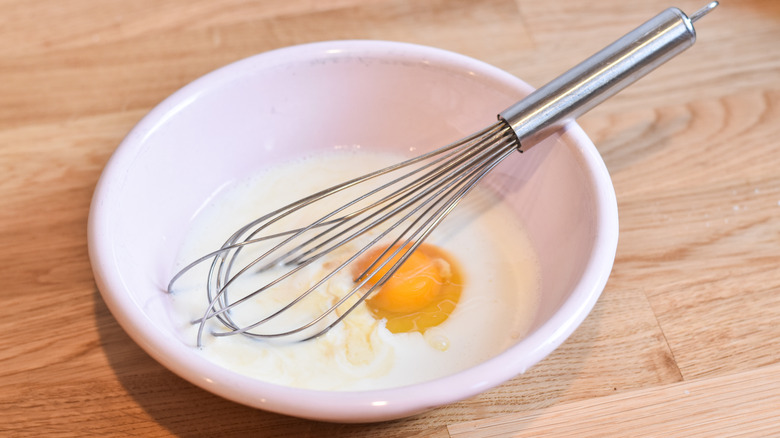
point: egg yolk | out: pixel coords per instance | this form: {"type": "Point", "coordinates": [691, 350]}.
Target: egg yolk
{"type": "Point", "coordinates": [421, 294]}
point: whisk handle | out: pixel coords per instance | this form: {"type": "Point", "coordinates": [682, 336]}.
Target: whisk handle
{"type": "Point", "coordinates": [602, 75]}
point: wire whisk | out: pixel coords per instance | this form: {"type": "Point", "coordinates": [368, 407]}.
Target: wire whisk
{"type": "Point", "coordinates": [398, 207]}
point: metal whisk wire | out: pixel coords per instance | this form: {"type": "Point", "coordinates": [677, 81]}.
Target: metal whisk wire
{"type": "Point", "coordinates": [420, 199]}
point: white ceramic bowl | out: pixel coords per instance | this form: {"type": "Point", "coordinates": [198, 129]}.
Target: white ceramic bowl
{"type": "Point", "coordinates": [283, 103]}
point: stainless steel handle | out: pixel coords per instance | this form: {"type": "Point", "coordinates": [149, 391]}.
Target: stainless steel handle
{"type": "Point", "coordinates": [602, 75]}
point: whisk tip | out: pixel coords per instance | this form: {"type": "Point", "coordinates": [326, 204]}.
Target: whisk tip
{"type": "Point", "coordinates": [703, 11]}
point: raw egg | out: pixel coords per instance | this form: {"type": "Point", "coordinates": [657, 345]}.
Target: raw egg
{"type": "Point", "coordinates": [482, 290]}
{"type": "Point", "coordinates": [421, 294]}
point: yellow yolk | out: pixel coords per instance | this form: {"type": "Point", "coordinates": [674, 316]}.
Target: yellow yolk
{"type": "Point", "coordinates": [421, 294]}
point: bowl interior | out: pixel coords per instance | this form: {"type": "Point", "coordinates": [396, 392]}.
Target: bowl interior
{"type": "Point", "coordinates": [372, 95]}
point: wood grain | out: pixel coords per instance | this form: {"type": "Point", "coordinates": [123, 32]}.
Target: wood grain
{"type": "Point", "coordinates": [683, 341]}
{"type": "Point", "coordinates": [735, 404]}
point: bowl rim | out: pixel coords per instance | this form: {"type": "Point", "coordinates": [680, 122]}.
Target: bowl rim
{"type": "Point", "coordinates": [349, 406]}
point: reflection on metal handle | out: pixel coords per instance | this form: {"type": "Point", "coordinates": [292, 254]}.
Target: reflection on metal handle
{"type": "Point", "coordinates": [602, 75]}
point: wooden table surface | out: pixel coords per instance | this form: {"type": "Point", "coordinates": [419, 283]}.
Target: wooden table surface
{"type": "Point", "coordinates": [684, 340]}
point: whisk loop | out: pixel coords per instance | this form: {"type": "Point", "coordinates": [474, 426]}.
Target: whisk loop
{"type": "Point", "coordinates": [401, 205]}
{"type": "Point", "coordinates": [407, 207]}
